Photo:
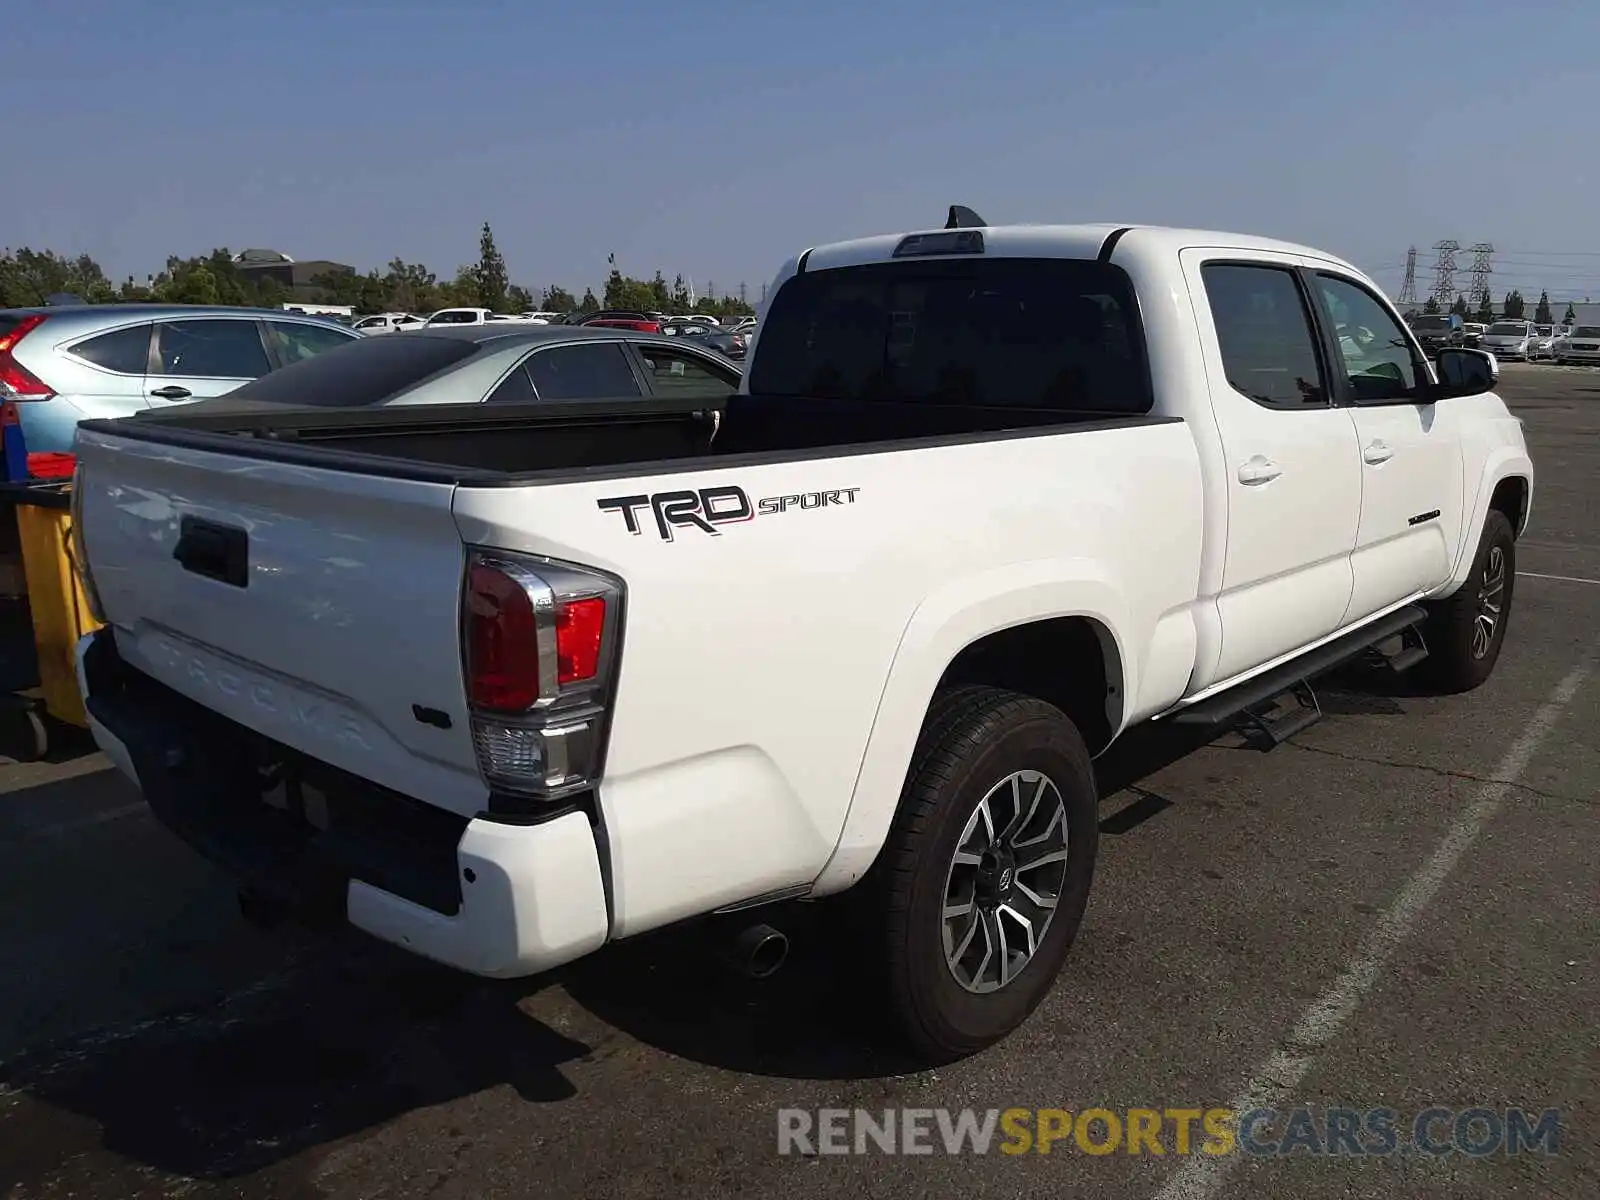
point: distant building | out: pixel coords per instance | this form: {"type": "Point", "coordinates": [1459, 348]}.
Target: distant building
{"type": "Point", "coordinates": [297, 277]}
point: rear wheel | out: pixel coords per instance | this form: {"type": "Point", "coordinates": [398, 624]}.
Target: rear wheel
{"type": "Point", "coordinates": [1465, 632]}
{"type": "Point", "coordinates": [982, 883]}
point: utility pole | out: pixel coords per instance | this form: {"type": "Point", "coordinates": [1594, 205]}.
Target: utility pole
{"type": "Point", "coordinates": [1444, 273]}
{"type": "Point", "coordinates": [1481, 270]}
{"type": "Point", "coordinates": [742, 300]}
{"type": "Point", "coordinates": [1408, 288]}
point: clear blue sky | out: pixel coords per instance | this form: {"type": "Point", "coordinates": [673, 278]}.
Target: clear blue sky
{"type": "Point", "coordinates": [717, 138]}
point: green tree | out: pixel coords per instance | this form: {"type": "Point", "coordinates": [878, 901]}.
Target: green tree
{"type": "Point", "coordinates": [1485, 312]}
{"type": "Point", "coordinates": [193, 283]}
{"type": "Point", "coordinates": [1541, 314]}
{"type": "Point", "coordinates": [1430, 306]}
{"type": "Point", "coordinates": [680, 295]}
{"type": "Point", "coordinates": [28, 277]}
{"type": "Point", "coordinates": [558, 299]}
{"type": "Point", "coordinates": [410, 287]}
{"type": "Point", "coordinates": [591, 303]}
{"type": "Point", "coordinates": [338, 287]}
{"type": "Point", "coordinates": [1459, 308]}
{"type": "Point", "coordinates": [462, 291]}
{"type": "Point", "coordinates": [492, 280]}
{"type": "Point", "coordinates": [519, 299]}
{"type": "Point", "coordinates": [1571, 315]}
{"type": "Point", "coordinates": [1515, 305]}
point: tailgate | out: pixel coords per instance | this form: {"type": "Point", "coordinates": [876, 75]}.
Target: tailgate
{"type": "Point", "coordinates": [317, 607]}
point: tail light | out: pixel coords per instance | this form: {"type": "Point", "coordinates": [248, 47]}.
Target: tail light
{"type": "Point", "coordinates": [539, 651]}
{"type": "Point", "coordinates": [16, 381]}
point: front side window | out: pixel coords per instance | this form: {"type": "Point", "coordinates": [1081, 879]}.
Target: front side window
{"type": "Point", "coordinates": [1375, 353]}
{"type": "Point", "coordinates": [673, 373]}
{"type": "Point", "coordinates": [1269, 352]}
{"type": "Point", "coordinates": [212, 349]}
{"type": "Point", "coordinates": [1013, 333]}
{"type": "Point", "coordinates": [295, 342]}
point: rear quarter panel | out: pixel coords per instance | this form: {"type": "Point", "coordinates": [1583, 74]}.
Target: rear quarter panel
{"type": "Point", "coordinates": [774, 673]}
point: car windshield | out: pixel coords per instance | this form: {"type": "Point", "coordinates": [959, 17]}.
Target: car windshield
{"type": "Point", "coordinates": [1508, 328]}
{"type": "Point", "coordinates": [1430, 324]}
{"type": "Point", "coordinates": [1586, 331]}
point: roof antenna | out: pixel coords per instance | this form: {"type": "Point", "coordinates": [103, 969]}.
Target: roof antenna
{"type": "Point", "coordinates": [962, 217]}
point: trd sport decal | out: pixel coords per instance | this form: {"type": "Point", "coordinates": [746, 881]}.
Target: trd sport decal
{"type": "Point", "coordinates": [708, 508]}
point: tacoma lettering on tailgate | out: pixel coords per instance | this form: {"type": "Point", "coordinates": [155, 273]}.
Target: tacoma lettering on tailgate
{"type": "Point", "coordinates": [322, 719]}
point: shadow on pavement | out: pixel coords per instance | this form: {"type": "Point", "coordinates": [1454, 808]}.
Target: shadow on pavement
{"type": "Point", "coordinates": [357, 1034]}
{"type": "Point", "coordinates": [340, 1047]}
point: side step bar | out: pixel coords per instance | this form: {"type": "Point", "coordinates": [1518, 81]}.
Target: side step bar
{"type": "Point", "coordinates": [1293, 675]}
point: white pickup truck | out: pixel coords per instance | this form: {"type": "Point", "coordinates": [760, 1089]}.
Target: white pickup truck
{"type": "Point", "coordinates": [504, 683]}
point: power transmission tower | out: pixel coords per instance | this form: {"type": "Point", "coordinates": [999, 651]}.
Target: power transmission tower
{"type": "Point", "coordinates": [1444, 273]}
{"type": "Point", "coordinates": [1481, 270]}
{"type": "Point", "coordinates": [1408, 288]}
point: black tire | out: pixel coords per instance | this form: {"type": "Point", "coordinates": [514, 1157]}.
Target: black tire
{"type": "Point", "coordinates": [1458, 660]}
{"type": "Point", "coordinates": [973, 739]}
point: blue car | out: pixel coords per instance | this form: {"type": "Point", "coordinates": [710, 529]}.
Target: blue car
{"type": "Point", "coordinates": [68, 364]}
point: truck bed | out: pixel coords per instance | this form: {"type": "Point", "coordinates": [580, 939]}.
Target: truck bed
{"type": "Point", "coordinates": [468, 444]}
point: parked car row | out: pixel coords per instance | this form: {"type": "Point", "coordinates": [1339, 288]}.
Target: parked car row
{"type": "Point", "coordinates": [1517, 339]}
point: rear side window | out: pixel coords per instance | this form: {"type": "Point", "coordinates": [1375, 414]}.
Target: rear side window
{"type": "Point", "coordinates": [594, 372]}
{"type": "Point", "coordinates": [125, 351]}
{"type": "Point", "coordinates": [217, 349]}
{"type": "Point", "coordinates": [1015, 333]}
{"type": "Point", "coordinates": [1264, 331]}
{"type": "Point", "coordinates": [362, 372]}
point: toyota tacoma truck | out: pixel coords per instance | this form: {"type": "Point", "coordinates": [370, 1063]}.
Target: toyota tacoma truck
{"type": "Point", "coordinates": [503, 678]}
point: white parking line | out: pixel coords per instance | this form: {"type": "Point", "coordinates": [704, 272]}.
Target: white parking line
{"type": "Point", "coordinates": [1558, 578]}
{"type": "Point", "coordinates": [1201, 1178]}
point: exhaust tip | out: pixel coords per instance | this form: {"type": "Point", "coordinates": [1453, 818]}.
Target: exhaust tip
{"type": "Point", "coordinates": [761, 951]}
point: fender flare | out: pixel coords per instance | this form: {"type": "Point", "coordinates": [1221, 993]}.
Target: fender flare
{"type": "Point", "coordinates": [944, 624]}
{"type": "Point", "coordinates": [1504, 462]}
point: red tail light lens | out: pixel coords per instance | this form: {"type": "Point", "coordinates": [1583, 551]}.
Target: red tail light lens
{"type": "Point", "coordinates": [580, 625]}
{"type": "Point", "coordinates": [17, 383]}
{"type": "Point", "coordinates": [502, 642]}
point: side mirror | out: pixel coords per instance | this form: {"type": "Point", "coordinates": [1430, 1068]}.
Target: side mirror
{"type": "Point", "coordinates": [1464, 372]}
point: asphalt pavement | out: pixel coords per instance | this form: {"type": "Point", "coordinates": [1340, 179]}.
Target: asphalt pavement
{"type": "Point", "coordinates": [1395, 911]}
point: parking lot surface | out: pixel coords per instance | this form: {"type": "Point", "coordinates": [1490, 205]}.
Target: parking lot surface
{"type": "Point", "coordinates": [1395, 910]}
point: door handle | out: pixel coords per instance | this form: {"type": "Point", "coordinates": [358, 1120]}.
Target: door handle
{"type": "Point", "coordinates": [1376, 453]}
{"type": "Point", "coordinates": [172, 392]}
{"type": "Point", "coordinates": [1259, 470]}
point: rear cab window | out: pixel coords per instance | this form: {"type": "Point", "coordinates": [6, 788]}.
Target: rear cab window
{"type": "Point", "coordinates": [1003, 332]}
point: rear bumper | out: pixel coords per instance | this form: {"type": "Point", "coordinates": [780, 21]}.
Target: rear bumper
{"type": "Point", "coordinates": [484, 896]}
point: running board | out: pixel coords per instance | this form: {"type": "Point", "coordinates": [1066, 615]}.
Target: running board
{"type": "Point", "coordinates": [1224, 706]}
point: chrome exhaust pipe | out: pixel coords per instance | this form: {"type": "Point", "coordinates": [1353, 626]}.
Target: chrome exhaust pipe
{"type": "Point", "coordinates": [760, 951]}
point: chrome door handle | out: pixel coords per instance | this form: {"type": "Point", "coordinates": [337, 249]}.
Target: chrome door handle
{"type": "Point", "coordinates": [172, 392]}
{"type": "Point", "coordinates": [1377, 452]}
{"type": "Point", "coordinates": [1259, 470]}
